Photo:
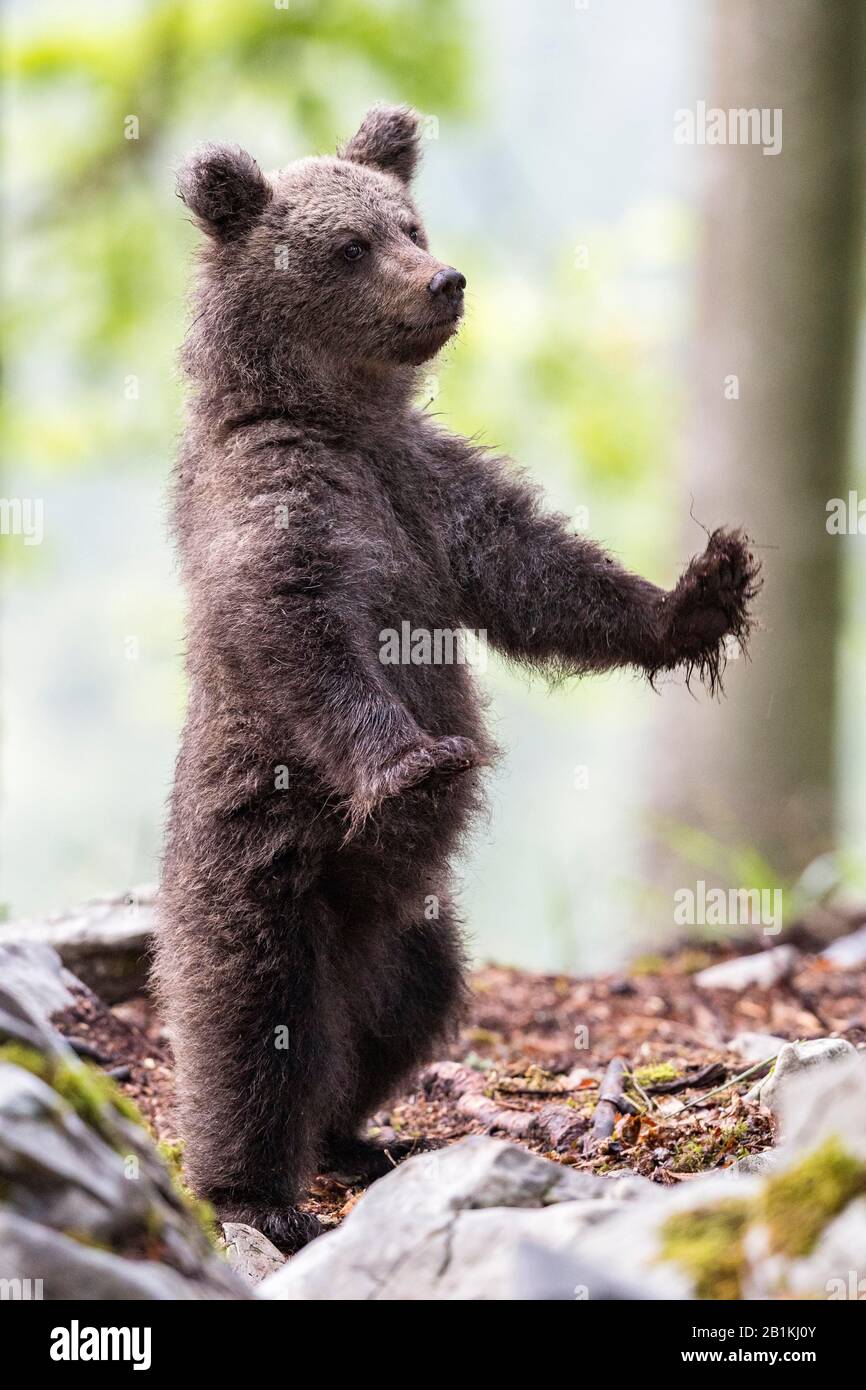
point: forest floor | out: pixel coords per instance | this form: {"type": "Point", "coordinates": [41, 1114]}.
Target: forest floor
{"type": "Point", "coordinates": [530, 1061]}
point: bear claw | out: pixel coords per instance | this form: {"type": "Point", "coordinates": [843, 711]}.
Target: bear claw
{"type": "Point", "coordinates": [709, 605]}
{"type": "Point", "coordinates": [449, 756]}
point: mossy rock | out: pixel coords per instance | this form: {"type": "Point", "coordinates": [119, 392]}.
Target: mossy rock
{"type": "Point", "coordinates": [88, 1091]}
{"type": "Point", "coordinates": [796, 1205]}
{"type": "Point", "coordinates": [96, 1100]}
{"type": "Point", "coordinates": [707, 1244]}
{"type": "Point", "coordinates": [792, 1210]}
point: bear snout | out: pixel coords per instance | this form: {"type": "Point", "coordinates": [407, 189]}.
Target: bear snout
{"type": "Point", "coordinates": [447, 287]}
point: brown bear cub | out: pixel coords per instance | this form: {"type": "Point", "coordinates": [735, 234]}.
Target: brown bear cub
{"type": "Point", "coordinates": [309, 956]}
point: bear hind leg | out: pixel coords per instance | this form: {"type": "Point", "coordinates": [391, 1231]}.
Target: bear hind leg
{"type": "Point", "coordinates": [423, 995]}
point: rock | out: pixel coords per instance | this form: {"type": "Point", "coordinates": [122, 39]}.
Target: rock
{"type": "Point", "coordinates": [814, 1107]}
{"type": "Point", "coordinates": [756, 1047]}
{"type": "Point", "coordinates": [761, 1164]}
{"type": "Point", "coordinates": [68, 1270]}
{"type": "Point", "coordinates": [829, 1270]}
{"type": "Point", "coordinates": [482, 1254]}
{"type": "Point", "coordinates": [452, 1224]}
{"type": "Point", "coordinates": [632, 1248]}
{"type": "Point", "coordinates": [86, 1202]}
{"type": "Point", "coordinates": [383, 1135]}
{"type": "Point", "coordinates": [793, 1059]}
{"type": "Point", "coordinates": [251, 1254]}
{"type": "Point", "coordinates": [45, 1145]}
{"type": "Point", "coordinates": [35, 985]}
{"type": "Point", "coordinates": [105, 942]}
{"type": "Point", "coordinates": [709, 1238]}
{"type": "Point", "coordinates": [839, 1255]}
{"type": "Point", "coordinates": [761, 970]}
{"type": "Point", "coordinates": [37, 988]}
{"type": "Point", "coordinates": [88, 1206]}
{"type": "Point", "coordinates": [848, 952]}
{"type": "Point", "coordinates": [544, 1275]}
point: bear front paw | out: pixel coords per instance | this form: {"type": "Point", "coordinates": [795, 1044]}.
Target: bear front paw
{"type": "Point", "coordinates": [439, 758]}
{"type": "Point", "coordinates": [710, 605]}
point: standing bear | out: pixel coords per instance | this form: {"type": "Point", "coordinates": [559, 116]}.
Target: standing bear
{"type": "Point", "coordinates": [309, 955]}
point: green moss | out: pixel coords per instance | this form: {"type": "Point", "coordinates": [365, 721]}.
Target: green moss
{"type": "Point", "coordinates": [94, 1096]}
{"type": "Point", "coordinates": [656, 1073]}
{"type": "Point", "coordinates": [91, 1094]}
{"type": "Point", "coordinates": [172, 1155]}
{"type": "Point", "coordinates": [798, 1204]}
{"type": "Point", "coordinates": [86, 1090]}
{"type": "Point", "coordinates": [708, 1150]}
{"type": "Point", "coordinates": [707, 1244]}
{"type": "Point", "coordinates": [207, 1219]}
{"type": "Point", "coordinates": [691, 1157]}
{"type": "Point", "coordinates": [648, 965]}
{"type": "Point", "coordinates": [17, 1055]}
{"type": "Point", "coordinates": [85, 1238]}
{"type": "Point", "coordinates": [690, 962]}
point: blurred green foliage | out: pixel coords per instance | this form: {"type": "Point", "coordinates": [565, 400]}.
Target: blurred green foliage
{"type": "Point", "coordinates": [101, 104]}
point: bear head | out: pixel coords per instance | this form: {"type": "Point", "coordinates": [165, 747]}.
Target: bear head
{"type": "Point", "coordinates": [327, 257]}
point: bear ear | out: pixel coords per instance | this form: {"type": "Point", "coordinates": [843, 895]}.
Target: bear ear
{"type": "Point", "coordinates": [225, 189]}
{"type": "Point", "coordinates": [387, 139]}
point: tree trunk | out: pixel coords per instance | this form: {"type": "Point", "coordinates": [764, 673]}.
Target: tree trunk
{"type": "Point", "coordinates": [778, 295]}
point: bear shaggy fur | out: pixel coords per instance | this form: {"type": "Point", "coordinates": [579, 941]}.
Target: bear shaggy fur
{"type": "Point", "coordinates": [309, 957]}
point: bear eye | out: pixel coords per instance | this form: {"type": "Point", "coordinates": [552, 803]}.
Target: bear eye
{"type": "Point", "coordinates": [414, 235]}
{"type": "Point", "coordinates": [353, 250]}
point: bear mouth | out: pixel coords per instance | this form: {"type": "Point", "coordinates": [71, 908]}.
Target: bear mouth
{"type": "Point", "coordinates": [439, 328]}
{"type": "Point", "coordinates": [418, 342]}
{"type": "Point", "coordinates": [446, 322]}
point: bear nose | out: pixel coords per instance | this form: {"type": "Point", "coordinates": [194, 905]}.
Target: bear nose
{"type": "Point", "coordinates": [447, 283]}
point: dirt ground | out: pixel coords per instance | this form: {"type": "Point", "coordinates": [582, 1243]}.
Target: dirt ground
{"type": "Point", "coordinates": [529, 1062]}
